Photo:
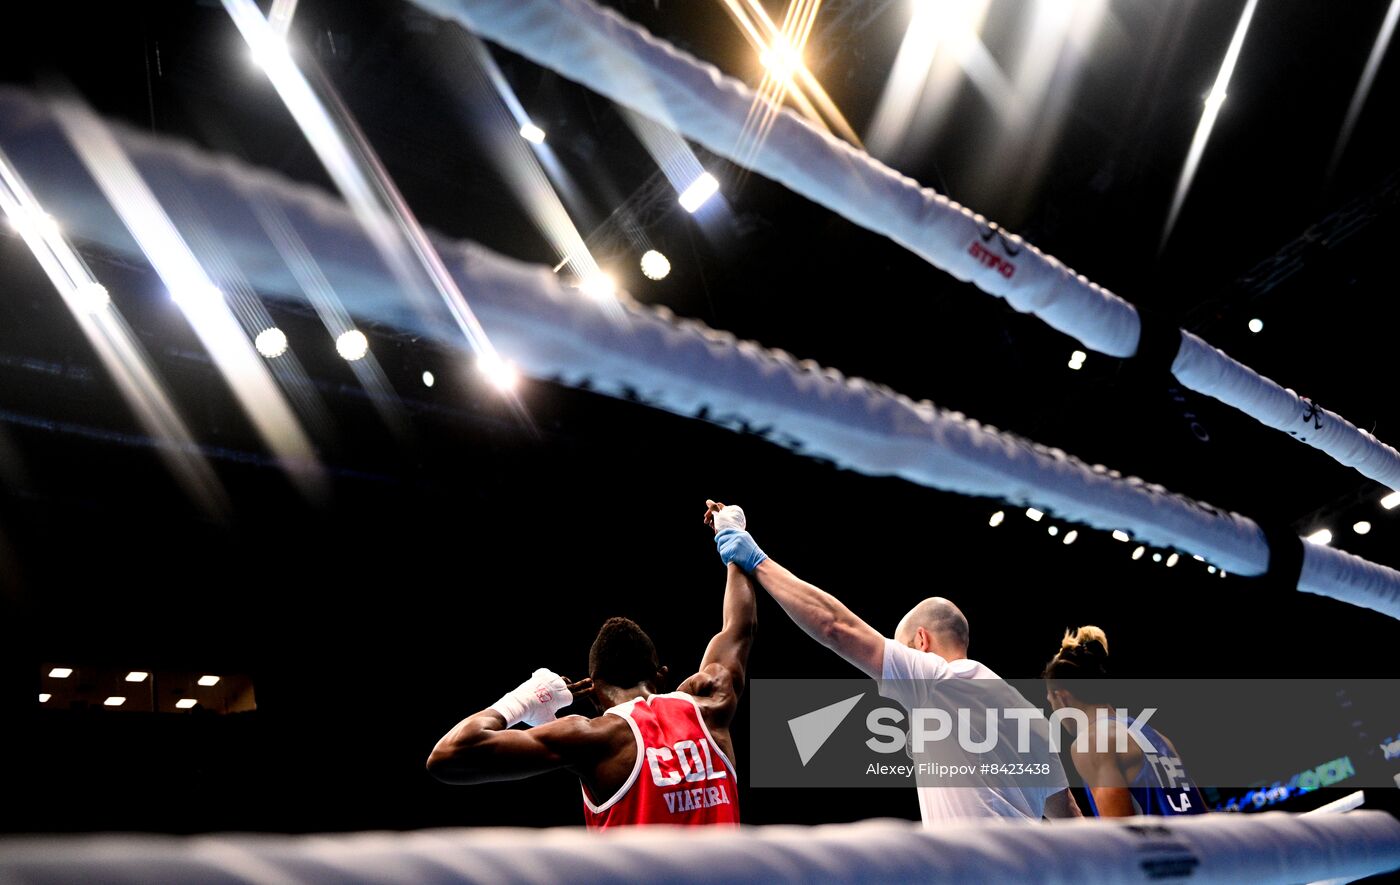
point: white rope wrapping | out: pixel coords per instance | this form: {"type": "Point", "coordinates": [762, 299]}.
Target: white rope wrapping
{"type": "Point", "coordinates": [619, 60]}
{"type": "Point", "coordinates": [645, 353]}
{"type": "Point", "coordinates": [1265, 848]}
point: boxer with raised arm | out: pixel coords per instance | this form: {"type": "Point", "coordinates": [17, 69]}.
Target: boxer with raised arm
{"type": "Point", "coordinates": [652, 757]}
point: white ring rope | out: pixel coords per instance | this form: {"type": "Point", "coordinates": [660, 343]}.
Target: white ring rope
{"type": "Point", "coordinates": [1266, 848]}
{"type": "Point", "coordinates": [619, 60]}
{"type": "Point", "coordinates": [645, 353]}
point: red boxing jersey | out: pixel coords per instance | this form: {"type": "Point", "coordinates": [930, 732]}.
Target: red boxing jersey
{"type": "Point", "coordinates": [681, 775]}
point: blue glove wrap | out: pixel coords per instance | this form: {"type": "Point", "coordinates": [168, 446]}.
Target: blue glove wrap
{"type": "Point", "coordinates": [739, 548]}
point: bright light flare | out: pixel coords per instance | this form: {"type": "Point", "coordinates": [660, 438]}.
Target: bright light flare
{"type": "Point", "coordinates": [786, 76]}
{"type": "Point", "coordinates": [185, 703]}
{"type": "Point", "coordinates": [502, 374]}
{"type": "Point", "coordinates": [44, 697]}
{"type": "Point", "coordinates": [61, 672]}
{"type": "Point", "coordinates": [137, 676]}
{"type": "Point", "coordinates": [1034, 515]}
{"type": "Point", "coordinates": [1071, 536]}
{"type": "Point", "coordinates": [1121, 535]}
{"type": "Point", "coordinates": [1391, 501]}
{"type": "Point", "coordinates": [1368, 78]}
{"type": "Point", "coordinates": [201, 302]}
{"type": "Point", "coordinates": [1076, 360]}
{"type": "Point", "coordinates": [280, 15]}
{"type": "Point", "coordinates": [1214, 100]}
{"type": "Point", "coordinates": [116, 346]}
{"type": "Point", "coordinates": [208, 680]}
{"type": "Point", "coordinates": [428, 379]}
{"type": "Point", "coordinates": [271, 343]}
{"type": "Point", "coordinates": [655, 266]}
{"type": "Point", "coordinates": [350, 161]}
{"type": "Point", "coordinates": [93, 296]}
{"type": "Point", "coordinates": [114, 702]}
{"type": "Point", "coordinates": [699, 192]}
{"type": "Point", "coordinates": [598, 286]}
{"type": "Point", "coordinates": [940, 44]}
{"type": "Point", "coordinates": [268, 54]}
{"type": "Point", "coordinates": [781, 58]}
{"type": "Point", "coordinates": [352, 345]}
{"type": "Point", "coordinates": [997, 519]}
{"type": "Point", "coordinates": [532, 133]}
{"type": "Point", "coordinates": [1139, 553]}
{"type": "Point", "coordinates": [1361, 528]}
{"type": "Point", "coordinates": [1173, 560]}
{"type": "Point", "coordinates": [1256, 325]}
{"type": "Point", "coordinates": [1321, 536]}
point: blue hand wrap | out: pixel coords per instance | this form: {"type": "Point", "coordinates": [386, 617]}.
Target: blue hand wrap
{"type": "Point", "coordinates": [738, 547]}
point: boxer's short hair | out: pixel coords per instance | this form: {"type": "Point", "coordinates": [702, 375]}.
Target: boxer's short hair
{"type": "Point", "coordinates": [623, 654]}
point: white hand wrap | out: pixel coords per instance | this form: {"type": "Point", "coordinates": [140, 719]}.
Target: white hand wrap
{"type": "Point", "coordinates": [731, 517]}
{"type": "Point", "coordinates": [535, 700]}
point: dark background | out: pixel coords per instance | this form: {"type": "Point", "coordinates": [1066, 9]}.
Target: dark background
{"type": "Point", "coordinates": [447, 567]}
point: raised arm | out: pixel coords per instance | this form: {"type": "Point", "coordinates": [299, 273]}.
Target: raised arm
{"type": "Point", "coordinates": [483, 747]}
{"type": "Point", "coordinates": [824, 617]}
{"type": "Point", "coordinates": [729, 649]}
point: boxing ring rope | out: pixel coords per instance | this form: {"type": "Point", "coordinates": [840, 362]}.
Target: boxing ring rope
{"type": "Point", "coordinates": [617, 59]}
{"type": "Point", "coordinates": [1266, 848]}
{"type": "Point", "coordinates": [646, 354]}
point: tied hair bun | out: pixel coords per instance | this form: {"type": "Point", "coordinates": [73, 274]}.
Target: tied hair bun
{"type": "Point", "coordinates": [1085, 642]}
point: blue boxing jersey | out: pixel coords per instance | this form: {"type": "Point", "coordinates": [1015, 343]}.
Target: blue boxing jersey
{"type": "Point", "coordinates": [1161, 786]}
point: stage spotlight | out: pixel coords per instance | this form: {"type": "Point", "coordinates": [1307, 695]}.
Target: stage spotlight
{"type": "Point", "coordinates": [1173, 559]}
{"type": "Point", "coordinates": [1138, 553]}
{"type": "Point", "coordinates": [44, 697]}
{"type": "Point", "coordinates": [1034, 514]}
{"type": "Point", "coordinates": [1362, 528]}
{"type": "Point", "coordinates": [265, 54]}
{"type": "Point", "coordinates": [352, 345]}
{"type": "Point", "coordinates": [782, 59]}
{"type": "Point", "coordinates": [61, 672]}
{"type": "Point", "coordinates": [1071, 536]}
{"type": "Point", "coordinates": [271, 342]}
{"type": "Point", "coordinates": [1120, 535]}
{"type": "Point", "coordinates": [114, 702]}
{"type": "Point", "coordinates": [1321, 536]}
{"type": "Point", "coordinates": [699, 192]}
{"type": "Point", "coordinates": [137, 676]}
{"type": "Point", "coordinates": [1391, 501]}
{"type": "Point", "coordinates": [185, 703]}
{"type": "Point", "coordinates": [1156, 557]}
{"type": "Point", "coordinates": [208, 680]}
{"type": "Point", "coordinates": [428, 379]}
{"type": "Point", "coordinates": [655, 266]}
{"type": "Point", "coordinates": [1256, 325]}
{"type": "Point", "coordinates": [93, 296]}
{"type": "Point", "coordinates": [1210, 569]}
{"type": "Point", "coordinates": [499, 372]}
{"type": "Point", "coordinates": [1053, 530]}
{"type": "Point", "coordinates": [598, 286]}
{"type": "Point", "coordinates": [47, 225]}
{"type": "Point", "coordinates": [1076, 360]}
{"type": "Point", "coordinates": [996, 519]}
